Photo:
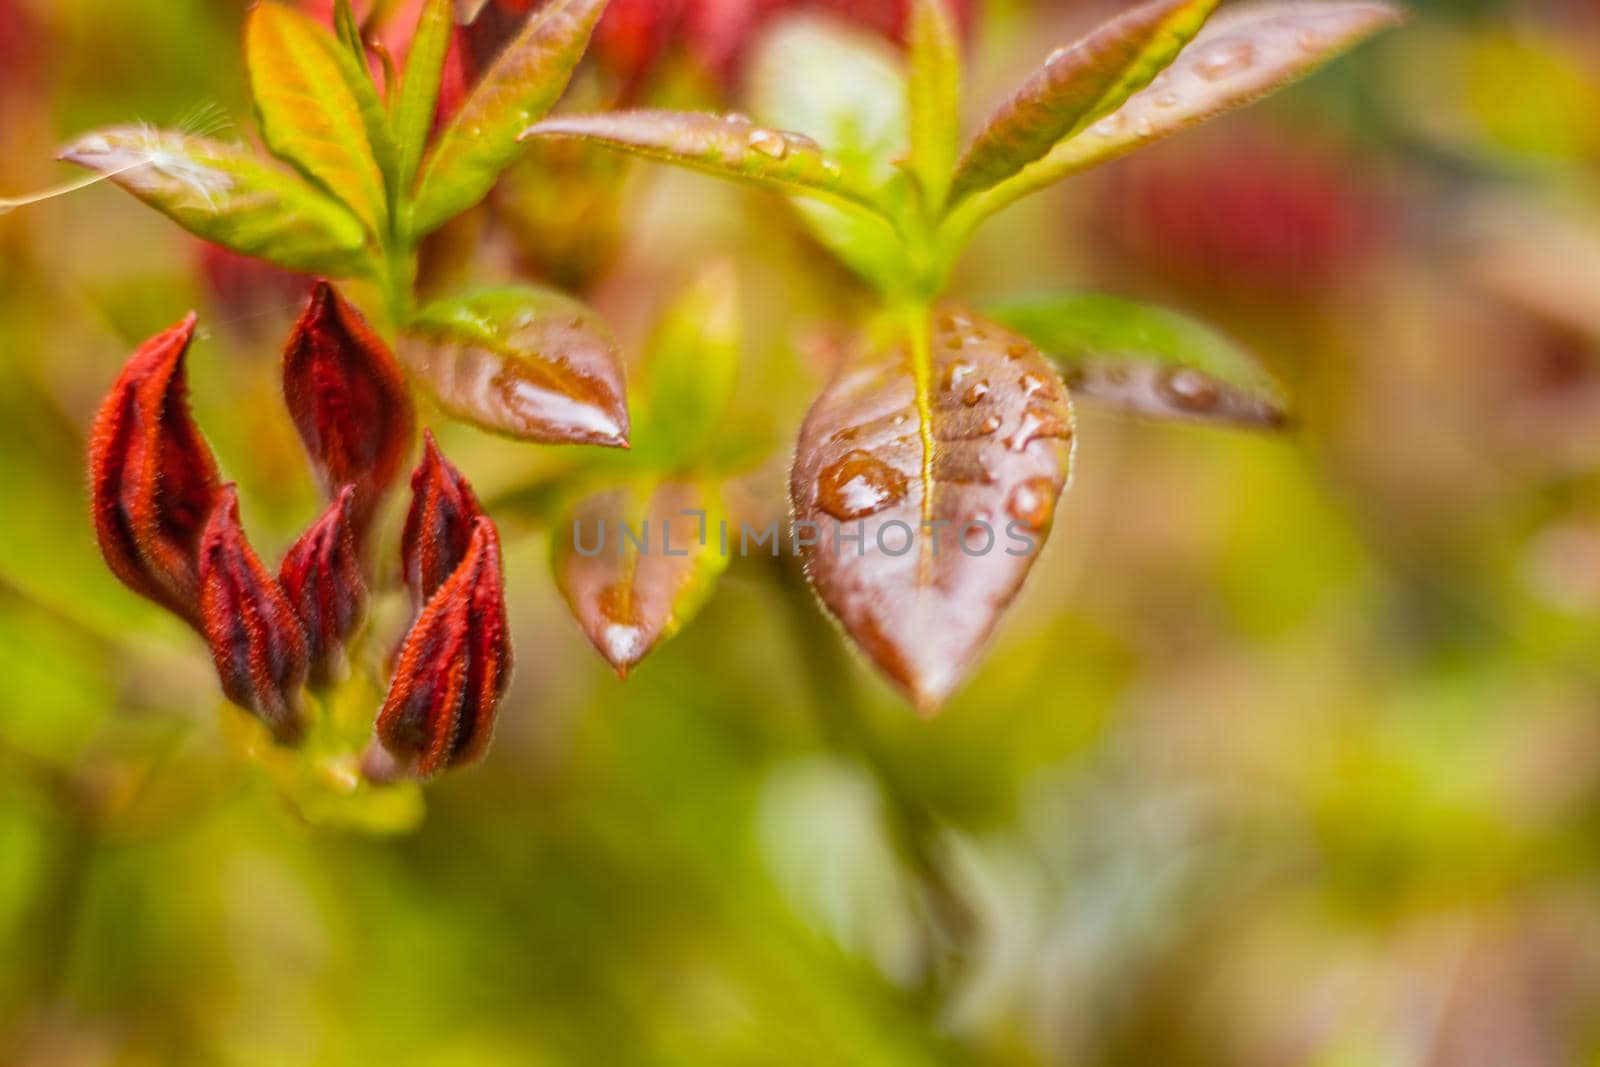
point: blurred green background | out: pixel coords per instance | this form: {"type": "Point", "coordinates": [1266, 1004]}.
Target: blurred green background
{"type": "Point", "coordinates": [1289, 753]}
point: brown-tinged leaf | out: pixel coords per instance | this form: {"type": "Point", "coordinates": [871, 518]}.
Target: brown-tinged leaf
{"type": "Point", "coordinates": [1077, 85]}
{"type": "Point", "coordinates": [524, 82]}
{"type": "Point", "coordinates": [948, 468]}
{"type": "Point", "coordinates": [635, 565]}
{"type": "Point", "coordinates": [523, 362]}
{"type": "Point", "coordinates": [223, 193]}
{"type": "Point", "coordinates": [349, 400]}
{"type": "Point", "coordinates": [1239, 57]}
{"type": "Point", "coordinates": [728, 146]}
{"type": "Point", "coordinates": [317, 109]}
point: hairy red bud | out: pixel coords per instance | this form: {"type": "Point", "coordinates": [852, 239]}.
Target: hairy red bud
{"type": "Point", "coordinates": [256, 641]}
{"type": "Point", "coordinates": [152, 480]}
{"type": "Point", "coordinates": [439, 524]}
{"type": "Point", "coordinates": [349, 400]}
{"type": "Point", "coordinates": [321, 575]}
{"type": "Point", "coordinates": [452, 671]}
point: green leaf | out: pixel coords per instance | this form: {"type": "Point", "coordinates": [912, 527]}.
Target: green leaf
{"type": "Point", "coordinates": [1076, 86]}
{"type": "Point", "coordinates": [318, 109]}
{"type": "Point", "coordinates": [692, 364]}
{"type": "Point", "coordinates": [418, 97]}
{"type": "Point", "coordinates": [839, 85]}
{"type": "Point", "coordinates": [1150, 360]}
{"type": "Point", "coordinates": [525, 362]}
{"type": "Point", "coordinates": [524, 82]}
{"type": "Point", "coordinates": [728, 146]}
{"type": "Point", "coordinates": [223, 193]}
{"type": "Point", "coordinates": [934, 97]}
{"type": "Point", "coordinates": [637, 589]}
{"type": "Point", "coordinates": [1239, 58]}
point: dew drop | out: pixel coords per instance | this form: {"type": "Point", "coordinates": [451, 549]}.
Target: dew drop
{"type": "Point", "coordinates": [1033, 502]}
{"type": "Point", "coordinates": [859, 485]}
{"type": "Point", "coordinates": [955, 374]}
{"type": "Point", "coordinates": [1168, 99]}
{"type": "Point", "coordinates": [977, 392]}
{"type": "Point", "coordinates": [801, 142]}
{"type": "Point", "coordinates": [768, 143]}
{"type": "Point", "coordinates": [1036, 423]}
{"type": "Point", "coordinates": [1017, 351]}
{"type": "Point", "coordinates": [831, 168]}
{"type": "Point", "coordinates": [989, 425]}
{"type": "Point", "coordinates": [1031, 383]}
{"type": "Point", "coordinates": [1188, 389]}
{"type": "Point", "coordinates": [1109, 126]}
{"type": "Point", "coordinates": [1226, 59]}
{"type": "Point", "coordinates": [946, 321]}
{"type": "Point", "coordinates": [737, 118]}
{"type": "Point", "coordinates": [1057, 56]}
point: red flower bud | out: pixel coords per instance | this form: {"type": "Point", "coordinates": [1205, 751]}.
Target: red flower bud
{"type": "Point", "coordinates": [349, 400]}
{"type": "Point", "coordinates": [256, 641]}
{"type": "Point", "coordinates": [152, 480]}
{"type": "Point", "coordinates": [451, 673]}
{"type": "Point", "coordinates": [439, 524]}
{"type": "Point", "coordinates": [321, 575]}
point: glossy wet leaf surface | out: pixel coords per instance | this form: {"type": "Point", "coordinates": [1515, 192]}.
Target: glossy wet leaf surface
{"type": "Point", "coordinates": [984, 451]}
{"type": "Point", "coordinates": [223, 193]}
{"type": "Point", "coordinates": [1241, 56]}
{"type": "Point", "coordinates": [729, 146]}
{"type": "Point", "coordinates": [524, 362]}
{"type": "Point", "coordinates": [1077, 85]}
{"type": "Point", "coordinates": [526, 79]}
{"type": "Point", "coordinates": [636, 562]}
{"type": "Point", "coordinates": [317, 108]}
{"type": "Point", "coordinates": [1148, 360]}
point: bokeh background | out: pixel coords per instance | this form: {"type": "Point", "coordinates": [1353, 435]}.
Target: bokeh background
{"type": "Point", "coordinates": [1289, 754]}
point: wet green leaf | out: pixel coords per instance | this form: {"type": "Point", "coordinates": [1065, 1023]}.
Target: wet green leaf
{"type": "Point", "coordinates": [524, 82]}
{"type": "Point", "coordinates": [1149, 360]}
{"type": "Point", "coordinates": [1076, 86]}
{"type": "Point", "coordinates": [1237, 59]}
{"type": "Point", "coordinates": [525, 362]}
{"type": "Point", "coordinates": [318, 110]}
{"type": "Point", "coordinates": [223, 193]}
{"type": "Point", "coordinates": [728, 146]}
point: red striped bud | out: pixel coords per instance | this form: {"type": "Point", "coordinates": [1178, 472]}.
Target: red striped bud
{"type": "Point", "coordinates": [321, 575]}
{"type": "Point", "coordinates": [256, 641]}
{"type": "Point", "coordinates": [349, 400]}
{"type": "Point", "coordinates": [439, 524]}
{"type": "Point", "coordinates": [452, 671]}
{"type": "Point", "coordinates": [152, 480]}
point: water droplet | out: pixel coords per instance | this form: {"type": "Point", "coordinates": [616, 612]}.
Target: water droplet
{"type": "Point", "coordinates": [737, 118]}
{"type": "Point", "coordinates": [1168, 99]}
{"type": "Point", "coordinates": [989, 425]}
{"type": "Point", "coordinates": [955, 341]}
{"type": "Point", "coordinates": [900, 420]}
{"type": "Point", "coordinates": [956, 373]}
{"type": "Point", "coordinates": [1057, 56]}
{"type": "Point", "coordinates": [1225, 59]}
{"type": "Point", "coordinates": [977, 392]}
{"type": "Point", "coordinates": [1032, 383]}
{"type": "Point", "coordinates": [476, 132]}
{"type": "Point", "coordinates": [1109, 126]}
{"type": "Point", "coordinates": [831, 167]}
{"type": "Point", "coordinates": [768, 143]}
{"type": "Point", "coordinates": [859, 485]}
{"type": "Point", "coordinates": [1144, 127]}
{"type": "Point", "coordinates": [1036, 423]}
{"type": "Point", "coordinates": [1018, 350]}
{"type": "Point", "coordinates": [946, 322]}
{"type": "Point", "coordinates": [801, 141]}
{"type": "Point", "coordinates": [1033, 502]}
{"type": "Point", "coordinates": [1188, 389]}
{"type": "Point", "coordinates": [1310, 40]}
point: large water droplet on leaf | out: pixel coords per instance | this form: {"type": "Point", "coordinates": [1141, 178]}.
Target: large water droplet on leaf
{"type": "Point", "coordinates": [859, 485]}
